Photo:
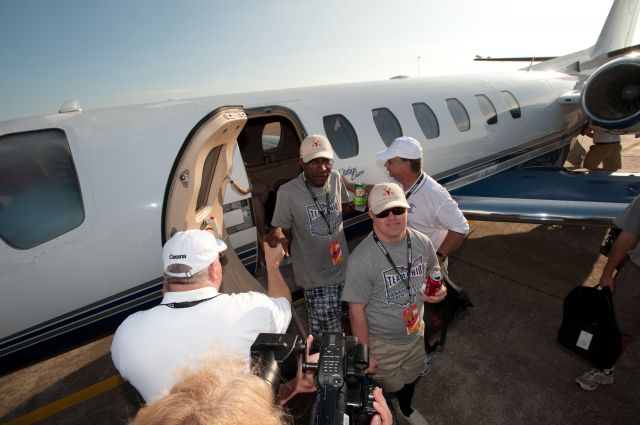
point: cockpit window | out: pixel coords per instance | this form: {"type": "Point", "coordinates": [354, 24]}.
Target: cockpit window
{"type": "Point", "coordinates": [487, 108]}
{"type": "Point", "coordinates": [427, 120]}
{"type": "Point", "coordinates": [512, 104]}
{"type": "Point", "coordinates": [387, 125]}
{"type": "Point", "coordinates": [341, 135]}
{"type": "Point", "coordinates": [40, 195]}
{"type": "Point", "coordinates": [459, 114]}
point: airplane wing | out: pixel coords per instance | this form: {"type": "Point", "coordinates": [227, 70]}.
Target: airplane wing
{"type": "Point", "coordinates": [549, 195]}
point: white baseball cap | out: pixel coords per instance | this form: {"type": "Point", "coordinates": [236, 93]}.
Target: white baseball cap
{"type": "Point", "coordinates": [386, 195]}
{"type": "Point", "coordinates": [402, 147]}
{"type": "Point", "coordinates": [195, 249]}
{"type": "Point", "coordinates": [315, 146]}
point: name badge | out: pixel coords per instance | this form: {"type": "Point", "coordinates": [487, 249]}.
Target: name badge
{"type": "Point", "coordinates": [336, 252]}
{"type": "Point", "coordinates": [412, 319]}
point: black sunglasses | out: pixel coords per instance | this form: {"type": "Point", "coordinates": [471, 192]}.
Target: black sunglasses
{"type": "Point", "coordinates": [394, 210]}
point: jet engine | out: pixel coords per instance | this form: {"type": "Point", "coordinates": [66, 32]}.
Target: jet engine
{"type": "Point", "coordinates": [611, 96]}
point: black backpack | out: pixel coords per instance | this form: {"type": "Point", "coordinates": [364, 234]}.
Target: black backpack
{"type": "Point", "coordinates": [589, 326]}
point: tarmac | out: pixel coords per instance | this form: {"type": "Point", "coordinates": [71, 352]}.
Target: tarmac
{"type": "Point", "coordinates": [501, 363]}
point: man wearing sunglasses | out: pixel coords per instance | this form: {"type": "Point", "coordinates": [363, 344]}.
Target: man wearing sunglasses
{"type": "Point", "coordinates": [309, 210]}
{"type": "Point", "coordinates": [432, 211]}
{"type": "Point", "coordinates": [386, 295]}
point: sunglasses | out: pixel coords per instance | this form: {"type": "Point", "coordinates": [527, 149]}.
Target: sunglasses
{"type": "Point", "coordinates": [394, 210]}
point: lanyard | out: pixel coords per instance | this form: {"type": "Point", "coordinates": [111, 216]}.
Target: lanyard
{"type": "Point", "coordinates": [414, 187]}
{"type": "Point", "coordinates": [320, 210]}
{"type": "Point", "coordinates": [390, 260]}
{"type": "Point", "coordinates": [186, 304]}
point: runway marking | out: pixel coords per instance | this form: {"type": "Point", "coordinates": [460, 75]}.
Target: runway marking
{"type": "Point", "coordinates": [67, 402]}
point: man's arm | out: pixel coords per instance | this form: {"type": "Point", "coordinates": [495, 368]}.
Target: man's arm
{"type": "Point", "coordinates": [624, 243]}
{"type": "Point", "coordinates": [276, 285]}
{"type": "Point", "coordinates": [360, 329]}
{"type": "Point", "coordinates": [278, 235]}
{"type": "Point", "coordinates": [451, 242]}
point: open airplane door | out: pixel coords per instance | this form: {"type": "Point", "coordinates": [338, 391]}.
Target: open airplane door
{"type": "Point", "coordinates": [196, 188]}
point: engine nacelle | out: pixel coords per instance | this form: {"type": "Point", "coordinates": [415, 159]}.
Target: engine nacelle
{"type": "Point", "coordinates": [611, 96]}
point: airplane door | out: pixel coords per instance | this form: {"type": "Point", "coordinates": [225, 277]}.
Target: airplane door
{"type": "Point", "coordinates": [197, 184]}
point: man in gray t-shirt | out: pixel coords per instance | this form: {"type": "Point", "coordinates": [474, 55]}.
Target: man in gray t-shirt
{"type": "Point", "coordinates": [625, 287]}
{"type": "Point", "coordinates": [310, 207]}
{"type": "Point", "coordinates": [384, 289]}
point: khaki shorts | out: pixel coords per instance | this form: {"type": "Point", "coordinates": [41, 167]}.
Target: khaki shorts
{"type": "Point", "coordinates": [397, 364]}
{"type": "Point", "coordinates": [626, 300]}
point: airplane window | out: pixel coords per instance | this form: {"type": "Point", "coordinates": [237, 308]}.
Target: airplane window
{"type": "Point", "coordinates": [207, 177]}
{"type": "Point", "coordinates": [512, 104]}
{"type": "Point", "coordinates": [271, 136]}
{"type": "Point", "coordinates": [459, 114]}
{"type": "Point", "coordinates": [487, 108]}
{"type": "Point", "coordinates": [427, 120]}
{"type": "Point", "coordinates": [342, 136]}
{"type": "Point", "coordinates": [387, 125]}
{"type": "Point", "coordinates": [40, 195]}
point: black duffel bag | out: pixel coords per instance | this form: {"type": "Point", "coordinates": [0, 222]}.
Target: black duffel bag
{"type": "Point", "coordinates": [589, 326]}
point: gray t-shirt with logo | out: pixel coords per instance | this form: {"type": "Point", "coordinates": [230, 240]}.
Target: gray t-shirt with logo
{"type": "Point", "coordinates": [313, 265]}
{"type": "Point", "coordinates": [372, 281]}
{"type": "Point", "coordinates": [629, 221]}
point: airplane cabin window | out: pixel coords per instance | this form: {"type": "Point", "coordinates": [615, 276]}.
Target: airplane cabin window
{"type": "Point", "coordinates": [487, 108]}
{"type": "Point", "coordinates": [341, 135]}
{"type": "Point", "coordinates": [427, 120]}
{"type": "Point", "coordinates": [40, 195]}
{"type": "Point", "coordinates": [387, 125]}
{"type": "Point", "coordinates": [512, 104]}
{"type": "Point", "coordinates": [459, 114]}
{"type": "Point", "coordinates": [271, 136]}
{"type": "Point", "coordinates": [207, 177]}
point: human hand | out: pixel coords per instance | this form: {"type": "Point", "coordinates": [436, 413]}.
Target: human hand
{"type": "Point", "coordinates": [303, 382]}
{"type": "Point", "coordinates": [276, 236]}
{"type": "Point", "coordinates": [272, 255]}
{"type": "Point", "coordinates": [373, 364]}
{"type": "Point", "coordinates": [607, 281]}
{"type": "Point", "coordinates": [383, 414]}
{"type": "Point", "coordinates": [440, 295]}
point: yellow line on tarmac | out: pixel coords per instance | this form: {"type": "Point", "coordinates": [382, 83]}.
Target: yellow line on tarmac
{"type": "Point", "coordinates": [65, 403]}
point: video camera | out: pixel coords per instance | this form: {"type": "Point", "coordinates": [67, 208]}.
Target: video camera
{"type": "Point", "coordinates": [339, 373]}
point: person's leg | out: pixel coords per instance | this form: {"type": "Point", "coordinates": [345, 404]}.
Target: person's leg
{"type": "Point", "coordinates": [594, 157]}
{"type": "Point", "coordinates": [324, 309]}
{"type": "Point", "coordinates": [613, 160]}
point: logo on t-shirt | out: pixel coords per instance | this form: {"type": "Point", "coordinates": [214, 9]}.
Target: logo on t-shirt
{"type": "Point", "coordinates": [395, 289]}
{"type": "Point", "coordinates": [317, 225]}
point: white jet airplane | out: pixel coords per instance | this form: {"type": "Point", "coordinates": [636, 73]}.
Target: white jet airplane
{"type": "Point", "coordinates": [87, 198]}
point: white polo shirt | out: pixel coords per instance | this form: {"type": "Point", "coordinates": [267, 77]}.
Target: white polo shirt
{"type": "Point", "coordinates": [433, 211]}
{"type": "Point", "coordinates": [150, 346]}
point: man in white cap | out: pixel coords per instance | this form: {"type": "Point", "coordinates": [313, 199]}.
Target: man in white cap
{"type": "Point", "coordinates": [194, 319]}
{"type": "Point", "coordinates": [309, 210]}
{"type": "Point", "coordinates": [386, 295]}
{"type": "Point", "coordinates": [432, 211]}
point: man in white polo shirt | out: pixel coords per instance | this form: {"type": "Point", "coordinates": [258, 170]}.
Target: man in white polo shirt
{"type": "Point", "coordinates": [194, 320]}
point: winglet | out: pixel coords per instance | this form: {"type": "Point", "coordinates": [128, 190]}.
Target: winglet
{"type": "Point", "coordinates": [618, 29]}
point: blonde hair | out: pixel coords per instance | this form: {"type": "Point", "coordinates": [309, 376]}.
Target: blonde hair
{"type": "Point", "coordinates": [221, 392]}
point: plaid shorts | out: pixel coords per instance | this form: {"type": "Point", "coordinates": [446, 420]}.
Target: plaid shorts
{"type": "Point", "coordinates": [324, 308]}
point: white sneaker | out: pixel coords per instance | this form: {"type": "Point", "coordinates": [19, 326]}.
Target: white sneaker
{"type": "Point", "coordinates": [590, 380]}
{"type": "Point", "coordinates": [415, 418]}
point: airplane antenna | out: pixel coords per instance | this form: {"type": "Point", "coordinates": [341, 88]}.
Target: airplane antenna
{"type": "Point", "coordinates": [533, 58]}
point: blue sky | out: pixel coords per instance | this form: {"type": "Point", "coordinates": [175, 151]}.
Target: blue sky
{"type": "Point", "coordinates": [115, 52]}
